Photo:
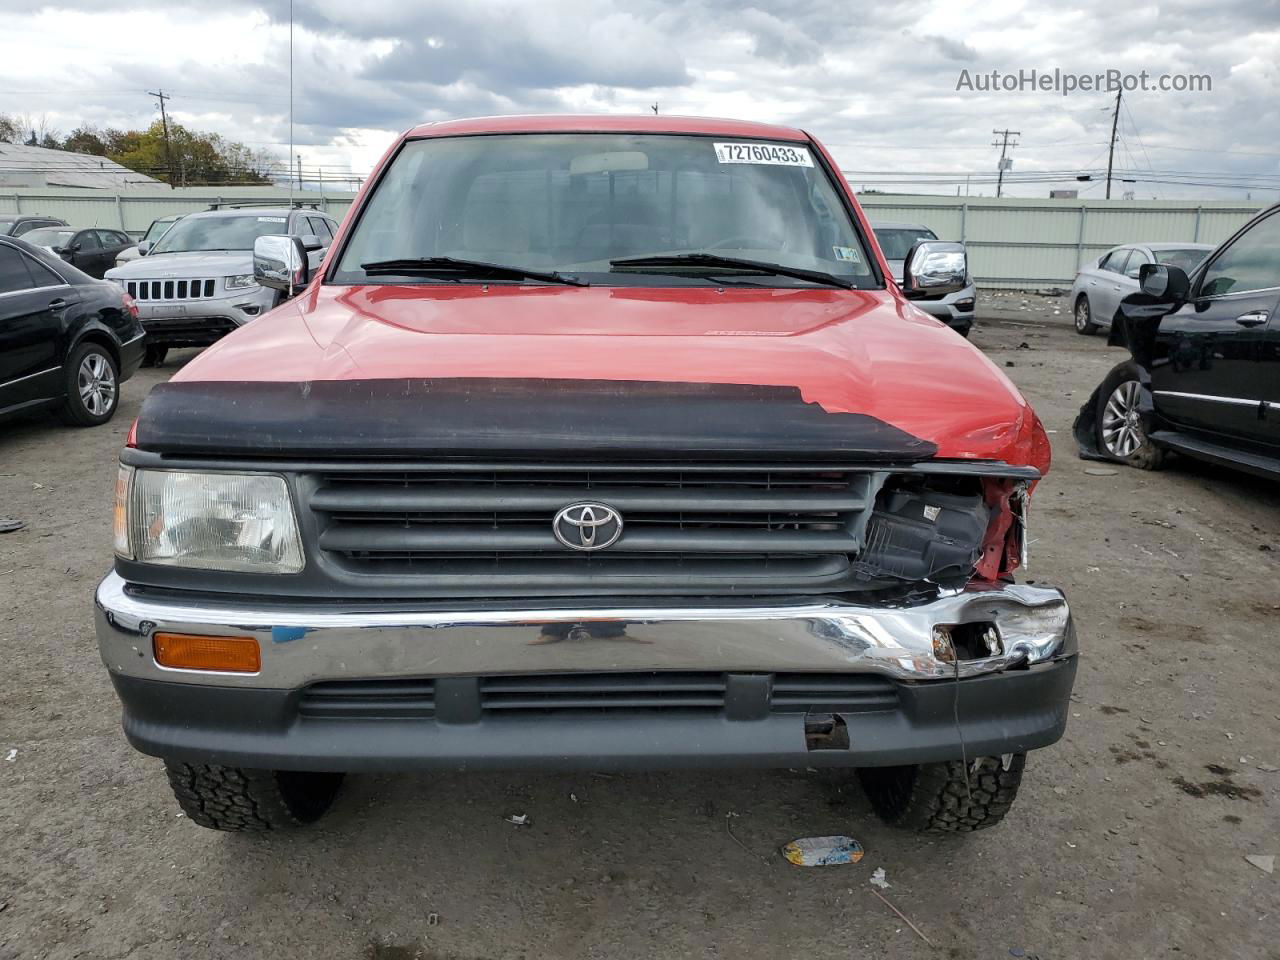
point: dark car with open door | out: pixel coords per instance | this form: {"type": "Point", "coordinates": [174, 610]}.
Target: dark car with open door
{"type": "Point", "coordinates": [92, 250]}
{"type": "Point", "coordinates": [67, 341]}
{"type": "Point", "coordinates": [1204, 378]}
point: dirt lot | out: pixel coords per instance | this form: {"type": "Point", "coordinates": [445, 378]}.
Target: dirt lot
{"type": "Point", "coordinates": [1128, 840]}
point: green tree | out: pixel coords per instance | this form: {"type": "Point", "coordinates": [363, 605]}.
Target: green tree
{"type": "Point", "coordinates": [197, 158]}
{"type": "Point", "coordinates": [85, 139]}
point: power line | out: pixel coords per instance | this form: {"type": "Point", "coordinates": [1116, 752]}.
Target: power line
{"type": "Point", "coordinates": [1115, 120]}
{"type": "Point", "coordinates": [1003, 144]}
{"type": "Point", "coordinates": [164, 121]}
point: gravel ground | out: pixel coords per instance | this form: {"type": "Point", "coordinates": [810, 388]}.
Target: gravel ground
{"type": "Point", "coordinates": [1128, 839]}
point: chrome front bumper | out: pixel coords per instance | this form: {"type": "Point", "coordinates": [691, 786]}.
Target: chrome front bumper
{"type": "Point", "coordinates": [303, 643]}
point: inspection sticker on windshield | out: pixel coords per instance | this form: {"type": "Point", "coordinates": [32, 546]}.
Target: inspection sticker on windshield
{"type": "Point", "coordinates": [771, 153]}
{"type": "Point", "coordinates": [849, 254]}
{"type": "Point", "coordinates": [272, 219]}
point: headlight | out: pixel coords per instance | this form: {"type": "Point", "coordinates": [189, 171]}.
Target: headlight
{"type": "Point", "coordinates": [208, 521]}
{"type": "Point", "coordinates": [240, 281]}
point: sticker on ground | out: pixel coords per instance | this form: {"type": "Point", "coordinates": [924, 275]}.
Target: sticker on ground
{"type": "Point", "coordinates": [769, 153]}
{"type": "Point", "coordinates": [822, 851]}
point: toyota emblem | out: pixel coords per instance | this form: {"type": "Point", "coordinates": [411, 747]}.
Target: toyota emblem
{"type": "Point", "coordinates": [587, 526]}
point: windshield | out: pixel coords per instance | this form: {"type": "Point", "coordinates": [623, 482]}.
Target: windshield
{"type": "Point", "coordinates": [49, 236]}
{"type": "Point", "coordinates": [570, 203]}
{"type": "Point", "coordinates": [157, 229]}
{"type": "Point", "coordinates": [1188, 260]}
{"type": "Point", "coordinates": [220, 233]}
{"type": "Point", "coordinates": [896, 242]}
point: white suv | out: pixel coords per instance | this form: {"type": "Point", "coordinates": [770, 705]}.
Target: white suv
{"type": "Point", "coordinates": [196, 284]}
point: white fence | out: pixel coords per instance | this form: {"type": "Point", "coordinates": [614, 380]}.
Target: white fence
{"type": "Point", "coordinates": [1019, 242]}
{"type": "Point", "coordinates": [1013, 242]}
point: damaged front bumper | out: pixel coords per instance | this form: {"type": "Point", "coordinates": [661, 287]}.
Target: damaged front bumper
{"type": "Point", "coordinates": [928, 694]}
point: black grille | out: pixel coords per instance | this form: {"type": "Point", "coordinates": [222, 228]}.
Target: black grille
{"type": "Point", "coordinates": [171, 289]}
{"type": "Point", "coordinates": [745, 696]}
{"type": "Point", "coordinates": [832, 692]}
{"type": "Point", "coordinates": [172, 330]}
{"type": "Point", "coordinates": [604, 691]}
{"type": "Point", "coordinates": [369, 699]}
{"type": "Point", "coordinates": [708, 527]}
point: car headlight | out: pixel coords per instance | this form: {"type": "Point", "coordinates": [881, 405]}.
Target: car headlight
{"type": "Point", "coordinates": [208, 521]}
{"type": "Point", "coordinates": [240, 281]}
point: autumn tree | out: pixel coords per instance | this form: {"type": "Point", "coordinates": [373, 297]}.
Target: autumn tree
{"type": "Point", "coordinates": [198, 158]}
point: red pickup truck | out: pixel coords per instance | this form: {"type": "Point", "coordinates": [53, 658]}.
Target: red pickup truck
{"type": "Point", "coordinates": [596, 442]}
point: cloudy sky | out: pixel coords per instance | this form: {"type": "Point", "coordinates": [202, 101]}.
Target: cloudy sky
{"type": "Point", "coordinates": [876, 81]}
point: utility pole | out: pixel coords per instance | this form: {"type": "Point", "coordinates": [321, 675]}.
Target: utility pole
{"type": "Point", "coordinates": [164, 123]}
{"type": "Point", "coordinates": [1111, 151]}
{"type": "Point", "coordinates": [1004, 145]}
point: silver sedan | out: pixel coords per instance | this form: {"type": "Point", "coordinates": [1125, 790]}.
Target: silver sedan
{"type": "Point", "coordinates": [1101, 284]}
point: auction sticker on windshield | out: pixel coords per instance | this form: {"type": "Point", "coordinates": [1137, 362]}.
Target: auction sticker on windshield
{"type": "Point", "coordinates": [772, 153]}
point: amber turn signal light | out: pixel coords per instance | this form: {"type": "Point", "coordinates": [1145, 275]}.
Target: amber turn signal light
{"type": "Point", "coordinates": [184, 651]}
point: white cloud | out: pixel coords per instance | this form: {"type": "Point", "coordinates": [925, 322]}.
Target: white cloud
{"type": "Point", "coordinates": [876, 81]}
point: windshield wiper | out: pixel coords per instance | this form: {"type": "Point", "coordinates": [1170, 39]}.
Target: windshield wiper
{"type": "Point", "coordinates": [732, 263]}
{"type": "Point", "coordinates": [454, 267]}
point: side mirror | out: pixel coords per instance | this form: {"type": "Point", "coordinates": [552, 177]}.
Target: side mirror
{"type": "Point", "coordinates": [311, 242]}
{"type": "Point", "coordinates": [935, 268]}
{"type": "Point", "coordinates": [144, 247]}
{"type": "Point", "coordinates": [1163, 281]}
{"type": "Point", "coordinates": [280, 262]}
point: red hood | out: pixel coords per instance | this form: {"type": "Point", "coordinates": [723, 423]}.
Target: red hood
{"type": "Point", "coordinates": [867, 352]}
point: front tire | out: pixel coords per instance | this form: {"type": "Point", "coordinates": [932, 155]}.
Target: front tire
{"type": "Point", "coordinates": [236, 799]}
{"type": "Point", "coordinates": [1121, 433]}
{"type": "Point", "coordinates": [934, 797]}
{"type": "Point", "coordinates": [1084, 317]}
{"type": "Point", "coordinates": [154, 357]}
{"type": "Point", "coordinates": [93, 386]}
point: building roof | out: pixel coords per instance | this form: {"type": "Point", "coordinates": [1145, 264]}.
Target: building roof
{"type": "Point", "coordinates": [607, 123]}
{"type": "Point", "coordinates": [24, 166]}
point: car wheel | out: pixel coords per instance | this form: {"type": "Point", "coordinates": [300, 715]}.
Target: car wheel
{"type": "Point", "coordinates": [944, 797]}
{"type": "Point", "coordinates": [1121, 431]}
{"type": "Point", "coordinates": [93, 386]}
{"type": "Point", "coordinates": [154, 357]}
{"type": "Point", "coordinates": [1084, 316]}
{"type": "Point", "coordinates": [237, 799]}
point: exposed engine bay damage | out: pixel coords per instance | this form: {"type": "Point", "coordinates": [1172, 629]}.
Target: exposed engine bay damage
{"type": "Point", "coordinates": [944, 530]}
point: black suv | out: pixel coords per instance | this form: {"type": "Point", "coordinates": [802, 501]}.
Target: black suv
{"type": "Point", "coordinates": [67, 341]}
{"type": "Point", "coordinates": [1204, 379]}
